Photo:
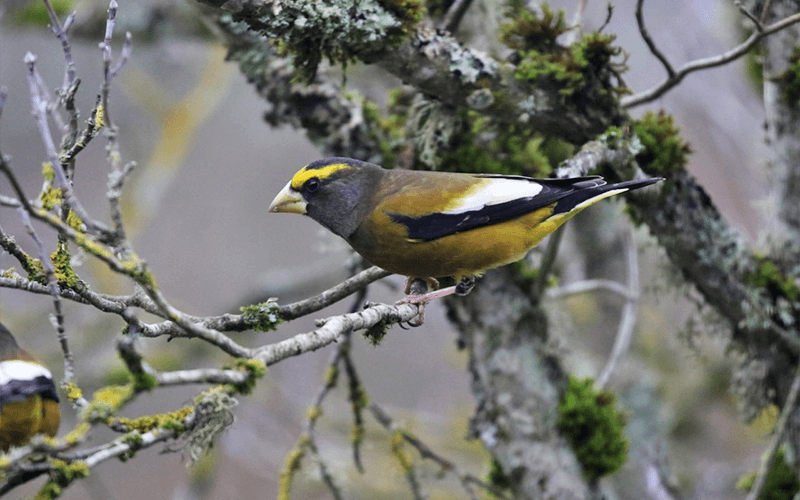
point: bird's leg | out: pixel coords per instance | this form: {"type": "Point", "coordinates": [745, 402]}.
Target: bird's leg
{"type": "Point", "coordinates": [428, 283]}
{"type": "Point", "coordinates": [465, 285]}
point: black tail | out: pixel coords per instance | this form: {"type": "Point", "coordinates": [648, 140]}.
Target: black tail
{"type": "Point", "coordinates": [586, 197]}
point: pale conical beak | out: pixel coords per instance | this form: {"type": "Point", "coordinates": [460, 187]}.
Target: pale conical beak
{"type": "Point", "coordinates": [288, 200]}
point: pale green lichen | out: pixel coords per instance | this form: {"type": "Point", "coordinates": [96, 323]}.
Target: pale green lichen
{"type": "Point", "coordinates": [313, 30]}
{"type": "Point", "coordinates": [263, 317]}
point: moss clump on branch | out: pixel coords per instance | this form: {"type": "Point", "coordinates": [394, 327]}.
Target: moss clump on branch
{"type": "Point", "coordinates": [594, 428]}
{"type": "Point", "coordinates": [582, 73]}
{"type": "Point", "coordinates": [62, 474]}
{"type": "Point", "coordinates": [781, 483]}
{"type": "Point", "coordinates": [789, 80]}
{"type": "Point", "coordinates": [768, 276]}
{"type": "Point", "coordinates": [665, 151]}
{"type": "Point", "coordinates": [255, 368]}
{"type": "Point", "coordinates": [263, 317]}
{"type": "Point", "coordinates": [527, 31]}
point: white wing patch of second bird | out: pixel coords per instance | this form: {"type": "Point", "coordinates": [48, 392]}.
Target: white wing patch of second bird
{"type": "Point", "coordinates": [21, 370]}
{"type": "Point", "coordinates": [494, 192]}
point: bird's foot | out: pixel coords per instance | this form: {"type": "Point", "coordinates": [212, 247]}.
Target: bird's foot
{"type": "Point", "coordinates": [421, 300]}
{"type": "Point", "coordinates": [423, 284]}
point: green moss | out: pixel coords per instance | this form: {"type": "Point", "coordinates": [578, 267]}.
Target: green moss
{"type": "Point", "coordinates": [486, 147]}
{"type": "Point", "coordinates": [497, 477]}
{"type": "Point", "coordinates": [781, 483]}
{"type": "Point", "coordinates": [256, 370]}
{"type": "Point", "coordinates": [106, 401]}
{"type": "Point", "coordinates": [664, 149]}
{"type": "Point", "coordinates": [35, 13]}
{"type": "Point", "coordinates": [61, 266]}
{"type": "Point", "coordinates": [143, 382]}
{"type": "Point", "coordinates": [74, 221]}
{"type": "Point", "coordinates": [789, 80]}
{"type": "Point", "coordinates": [35, 269]}
{"type": "Point", "coordinates": [377, 332]}
{"type": "Point", "coordinates": [584, 72]}
{"type": "Point", "coordinates": [594, 428]}
{"type": "Point", "coordinates": [62, 474]}
{"type": "Point", "coordinates": [263, 317]}
{"type": "Point", "coordinates": [172, 421]}
{"type": "Point", "coordinates": [527, 31]}
{"type": "Point", "coordinates": [50, 197]}
{"type": "Point", "coordinates": [291, 467]}
{"type": "Point", "coordinates": [388, 132]}
{"type": "Point", "coordinates": [768, 276]}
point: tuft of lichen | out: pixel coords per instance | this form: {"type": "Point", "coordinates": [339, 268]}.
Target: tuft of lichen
{"type": "Point", "coordinates": [263, 317]}
{"type": "Point", "coordinates": [665, 151]}
{"type": "Point", "coordinates": [171, 420]}
{"type": "Point", "coordinates": [312, 31]}
{"type": "Point", "coordinates": [594, 428]}
{"type": "Point", "coordinates": [106, 401]}
{"type": "Point", "coordinates": [213, 415]}
{"type": "Point", "coordinates": [291, 467]}
{"type": "Point", "coordinates": [62, 474]}
{"type": "Point", "coordinates": [62, 267]}
{"type": "Point", "coordinates": [781, 482]}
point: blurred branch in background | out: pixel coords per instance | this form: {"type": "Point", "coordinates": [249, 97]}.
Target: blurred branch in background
{"type": "Point", "coordinates": [552, 103]}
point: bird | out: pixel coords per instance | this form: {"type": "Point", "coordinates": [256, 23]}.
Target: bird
{"type": "Point", "coordinates": [28, 399]}
{"type": "Point", "coordinates": [430, 224]}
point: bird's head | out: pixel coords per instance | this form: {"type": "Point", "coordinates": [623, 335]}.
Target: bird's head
{"type": "Point", "coordinates": [334, 191]}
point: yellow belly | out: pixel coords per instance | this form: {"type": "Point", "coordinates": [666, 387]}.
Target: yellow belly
{"type": "Point", "coordinates": [21, 420]}
{"type": "Point", "coordinates": [462, 254]}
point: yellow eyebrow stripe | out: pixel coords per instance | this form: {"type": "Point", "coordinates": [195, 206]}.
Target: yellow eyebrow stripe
{"type": "Point", "coordinates": [305, 174]}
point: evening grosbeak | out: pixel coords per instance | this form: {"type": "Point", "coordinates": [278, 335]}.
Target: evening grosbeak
{"type": "Point", "coordinates": [433, 224]}
{"type": "Point", "coordinates": [28, 400]}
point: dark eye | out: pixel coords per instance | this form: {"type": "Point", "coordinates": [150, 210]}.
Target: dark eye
{"type": "Point", "coordinates": [312, 185]}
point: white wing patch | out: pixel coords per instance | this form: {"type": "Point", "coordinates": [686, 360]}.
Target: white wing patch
{"type": "Point", "coordinates": [21, 370]}
{"type": "Point", "coordinates": [494, 192]}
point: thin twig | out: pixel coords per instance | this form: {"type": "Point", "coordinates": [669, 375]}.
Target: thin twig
{"type": "Point", "coordinates": [709, 62]}
{"type": "Point", "coordinates": [780, 429]}
{"type": "Point", "coordinates": [426, 452]}
{"type": "Point", "coordinates": [548, 259]}
{"type": "Point", "coordinates": [586, 286]}
{"type": "Point", "coordinates": [332, 295]}
{"type": "Point", "coordinates": [649, 41]}
{"type": "Point", "coordinates": [454, 15]}
{"type": "Point", "coordinates": [627, 321]}
{"type": "Point", "coordinates": [52, 282]}
{"type": "Point", "coordinates": [61, 33]}
{"type": "Point", "coordinates": [749, 16]}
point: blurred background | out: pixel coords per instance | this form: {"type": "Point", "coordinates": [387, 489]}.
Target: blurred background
{"type": "Point", "coordinates": [207, 168]}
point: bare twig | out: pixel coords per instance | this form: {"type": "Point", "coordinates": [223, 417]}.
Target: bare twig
{"type": "Point", "coordinates": [454, 15]}
{"type": "Point", "coordinates": [649, 41]}
{"type": "Point", "coordinates": [61, 33]}
{"type": "Point", "coordinates": [749, 16]}
{"type": "Point", "coordinates": [628, 317]}
{"type": "Point", "coordinates": [777, 439]}
{"type": "Point", "coordinates": [332, 295]}
{"type": "Point", "coordinates": [709, 62]}
{"type": "Point", "coordinates": [467, 480]}
{"type": "Point", "coordinates": [548, 259]}
{"type": "Point", "coordinates": [586, 286]}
